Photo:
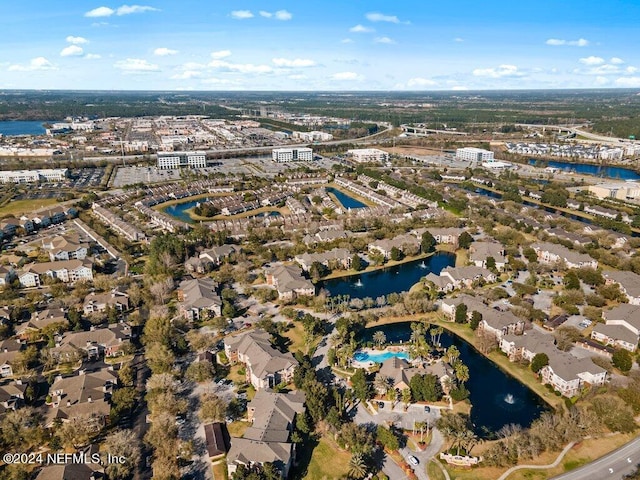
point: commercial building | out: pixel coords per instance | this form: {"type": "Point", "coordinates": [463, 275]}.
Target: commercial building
{"type": "Point", "coordinates": [30, 176]}
{"type": "Point", "coordinates": [617, 190]}
{"type": "Point", "coordinates": [368, 155]}
{"type": "Point", "coordinates": [282, 155]}
{"type": "Point", "coordinates": [172, 160]}
{"type": "Point", "coordinates": [472, 154]}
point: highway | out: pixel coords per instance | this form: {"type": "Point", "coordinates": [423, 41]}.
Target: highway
{"type": "Point", "coordinates": [614, 466]}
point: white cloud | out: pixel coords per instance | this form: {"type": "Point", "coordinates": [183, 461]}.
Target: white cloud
{"type": "Point", "coordinates": [76, 40]}
{"type": "Point", "coordinates": [386, 40]}
{"type": "Point", "coordinates": [421, 82]}
{"type": "Point", "coordinates": [631, 82]}
{"type": "Point", "coordinates": [349, 76]}
{"type": "Point", "coordinates": [129, 9]}
{"type": "Point", "coordinates": [592, 60]}
{"type": "Point", "coordinates": [164, 52]}
{"type": "Point", "coordinates": [241, 14]}
{"type": "Point", "coordinates": [616, 61]}
{"type": "Point", "coordinates": [379, 17]}
{"type": "Point", "coordinates": [458, 40]}
{"type": "Point", "coordinates": [72, 51]}
{"type": "Point", "coordinates": [240, 67]}
{"type": "Point", "coordinates": [607, 69]}
{"type": "Point", "coordinates": [38, 63]}
{"type": "Point", "coordinates": [122, 10]}
{"type": "Point", "coordinates": [298, 77]}
{"type": "Point", "coordinates": [265, 14]}
{"type": "Point", "coordinates": [136, 65]}
{"type": "Point", "coordinates": [500, 72]}
{"type": "Point", "coordinates": [186, 75]}
{"type": "Point", "coordinates": [293, 63]}
{"type": "Point", "coordinates": [283, 15]}
{"type": "Point", "coordinates": [631, 69]}
{"type": "Point", "coordinates": [361, 29]}
{"type": "Point", "coordinates": [602, 80]}
{"type": "Point", "coordinates": [100, 12]}
{"type": "Point", "coordinates": [346, 40]}
{"type": "Point", "coordinates": [92, 56]}
{"type": "Point", "coordinates": [217, 81]}
{"type": "Point", "coordinates": [459, 88]}
{"type": "Point", "coordinates": [221, 54]}
{"type": "Point", "coordinates": [581, 42]}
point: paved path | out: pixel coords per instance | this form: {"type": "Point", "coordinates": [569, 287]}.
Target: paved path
{"type": "Point", "coordinates": [614, 466]}
{"type": "Point", "coordinates": [540, 467]}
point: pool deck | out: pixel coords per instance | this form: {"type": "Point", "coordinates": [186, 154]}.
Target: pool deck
{"type": "Point", "coordinates": [373, 351]}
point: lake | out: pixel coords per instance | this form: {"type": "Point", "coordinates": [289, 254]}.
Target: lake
{"type": "Point", "coordinates": [497, 399]}
{"type": "Point", "coordinates": [179, 211]}
{"type": "Point", "coordinates": [347, 201]}
{"type": "Point", "coordinates": [20, 127]}
{"type": "Point", "coordinates": [618, 173]}
{"type": "Point", "coordinates": [399, 278]}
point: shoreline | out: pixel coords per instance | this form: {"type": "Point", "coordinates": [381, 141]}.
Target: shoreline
{"type": "Point", "coordinates": [351, 273]}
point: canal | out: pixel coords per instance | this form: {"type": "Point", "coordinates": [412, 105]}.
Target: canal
{"type": "Point", "coordinates": [399, 278]}
{"type": "Point", "coordinates": [497, 399]}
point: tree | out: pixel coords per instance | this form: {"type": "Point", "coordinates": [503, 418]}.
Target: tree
{"type": "Point", "coordinates": [212, 408]}
{"type": "Point", "coordinates": [318, 270]}
{"type": "Point", "coordinates": [461, 313]}
{"type": "Point", "coordinates": [476, 318]}
{"type": "Point", "coordinates": [571, 281]}
{"type": "Point", "coordinates": [396, 254]}
{"type": "Point", "coordinates": [356, 263]}
{"type": "Point", "coordinates": [428, 242]}
{"type": "Point", "coordinates": [360, 385]}
{"type": "Point", "coordinates": [126, 375]}
{"type": "Point", "coordinates": [199, 372]}
{"type": "Point", "coordinates": [566, 336]}
{"type": "Point", "coordinates": [379, 338]}
{"type": "Point", "coordinates": [79, 431]}
{"type": "Point", "coordinates": [387, 438]}
{"type": "Point", "coordinates": [425, 388]}
{"type": "Point", "coordinates": [357, 466]}
{"type": "Point", "coordinates": [122, 443]}
{"type": "Point", "coordinates": [123, 400]}
{"type": "Point", "coordinates": [406, 397]}
{"type": "Point", "coordinates": [462, 372]}
{"type": "Point", "coordinates": [465, 240]}
{"type": "Point", "coordinates": [539, 361]}
{"type": "Point", "coordinates": [622, 360]}
{"type": "Point", "coordinates": [383, 384]}
{"type": "Point", "coordinates": [159, 358]}
{"type": "Point", "coordinates": [452, 354]}
{"type": "Point", "coordinates": [491, 264]}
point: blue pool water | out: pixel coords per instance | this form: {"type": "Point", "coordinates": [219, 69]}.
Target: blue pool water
{"type": "Point", "coordinates": [378, 357]}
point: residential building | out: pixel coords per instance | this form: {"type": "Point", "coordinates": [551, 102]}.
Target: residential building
{"type": "Point", "coordinates": [8, 226]}
{"type": "Point", "coordinates": [65, 248]}
{"type": "Point", "coordinates": [401, 372]}
{"type": "Point", "coordinates": [30, 176]}
{"type": "Point", "coordinates": [552, 253]}
{"type": "Point", "coordinates": [7, 275]}
{"type": "Point", "coordinates": [9, 352]}
{"type": "Point", "coordinates": [407, 244]}
{"type": "Point", "coordinates": [69, 471]}
{"type": "Point", "coordinates": [217, 255]}
{"type": "Point", "coordinates": [93, 344]}
{"type": "Point", "coordinates": [268, 439]}
{"type": "Point", "coordinates": [118, 225]}
{"type": "Point", "coordinates": [173, 160]}
{"type": "Point", "coordinates": [616, 336]}
{"type": "Point", "coordinates": [447, 236]}
{"type": "Point", "coordinates": [67, 271]}
{"type": "Point", "coordinates": [289, 282]}
{"type": "Point", "coordinates": [266, 367]}
{"type": "Point", "coordinates": [299, 154]}
{"type": "Point", "coordinates": [99, 302]}
{"type": "Point", "coordinates": [471, 154]}
{"type": "Point", "coordinates": [199, 298]}
{"type": "Point", "coordinates": [629, 283]}
{"type": "Point", "coordinates": [527, 345]}
{"type": "Point", "coordinates": [42, 319]}
{"type": "Point", "coordinates": [368, 155]}
{"type": "Point", "coordinates": [464, 277]}
{"type": "Point", "coordinates": [12, 395]}
{"type": "Point", "coordinates": [569, 375]}
{"type": "Point", "coordinates": [480, 252]}
{"type": "Point", "coordinates": [334, 258]}
{"type": "Point", "coordinates": [215, 441]}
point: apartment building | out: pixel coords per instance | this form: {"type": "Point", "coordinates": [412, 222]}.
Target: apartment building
{"type": "Point", "coordinates": [173, 160]}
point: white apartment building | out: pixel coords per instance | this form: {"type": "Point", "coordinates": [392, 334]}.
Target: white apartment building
{"type": "Point", "coordinates": [282, 155]}
{"type": "Point", "coordinates": [368, 155]}
{"type": "Point", "coordinates": [315, 136]}
{"type": "Point", "coordinates": [173, 160]}
{"type": "Point", "coordinates": [29, 176]}
{"type": "Point", "coordinates": [472, 154]}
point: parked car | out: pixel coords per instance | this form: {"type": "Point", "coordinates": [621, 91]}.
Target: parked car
{"type": "Point", "coordinates": [427, 409]}
{"type": "Point", "coordinates": [413, 460]}
{"type": "Point", "coordinates": [380, 404]}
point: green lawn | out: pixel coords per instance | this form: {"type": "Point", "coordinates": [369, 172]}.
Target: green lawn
{"type": "Point", "coordinates": [326, 462]}
{"type": "Point", "coordinates": [17, 207]}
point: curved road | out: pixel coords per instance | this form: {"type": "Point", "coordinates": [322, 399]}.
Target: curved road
{"type": "Point", "coordinates": [610, 467]}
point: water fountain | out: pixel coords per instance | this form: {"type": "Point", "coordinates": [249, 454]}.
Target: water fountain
{"type": "Point", "coordinates": [509, 399]}
{"type": "Point", "coordinates": [359, 283]}
{"type": "Point", "coordinates": [423, 265]}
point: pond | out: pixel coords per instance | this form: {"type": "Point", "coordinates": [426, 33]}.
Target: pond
{"type": "Point", "coordinates": [399, 278]}
{"type": "Point", "coordinates": [590, 169]}
{"type": "Point", "coordinates": [179, 210]}
{"type": "Point", "coordinates": [497, 399]}
{"type": "Point", "coordinates": [347, 201]}
{"type": "Point", "coordinates": [21, 127]}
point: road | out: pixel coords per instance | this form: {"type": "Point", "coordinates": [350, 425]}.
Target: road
{"type": "Point", "coordinates": [614, 466]}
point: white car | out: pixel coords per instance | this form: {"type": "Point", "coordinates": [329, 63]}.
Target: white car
{"type": "Point", "coordinates": [413, 460]}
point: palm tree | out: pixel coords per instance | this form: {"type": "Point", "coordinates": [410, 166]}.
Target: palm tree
{"type": "Point", "coordinates": [422, 427]}
{"type": "Point", "coordinates": [439, 331]}
{"type": "Point", "coordinates": [462, 372]}
{"type": "Point", "coordinates": [379, 338]}
{"type": "Point", "coordinates": [383, 384]}
{"type": "Point", "coordinates": [357, 466]}
{"type": "Point", "coordinates": [452, 354]}
{"type": "Point", "coordinates": [406, 397]}
{"type": "Point", "coordinates": [470, 441]}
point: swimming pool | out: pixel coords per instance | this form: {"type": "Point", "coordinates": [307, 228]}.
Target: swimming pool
{"type": "Point", "coordinates": [378, 357]}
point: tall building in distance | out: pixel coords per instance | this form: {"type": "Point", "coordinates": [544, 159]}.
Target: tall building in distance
{"type": "Point", "coordinates": [282, 155]}
{"type": "Point", "coordinates": [472, 154]}
{"type": "Point", "coordinates": [172, 160]}
{"type": "Point", "coordinates": [30, 176]}
{"type": "Point", "coordinates": [368, 155]}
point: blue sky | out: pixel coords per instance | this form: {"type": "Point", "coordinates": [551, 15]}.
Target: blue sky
{"type": "Point", "coordinates": [327, 45]}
